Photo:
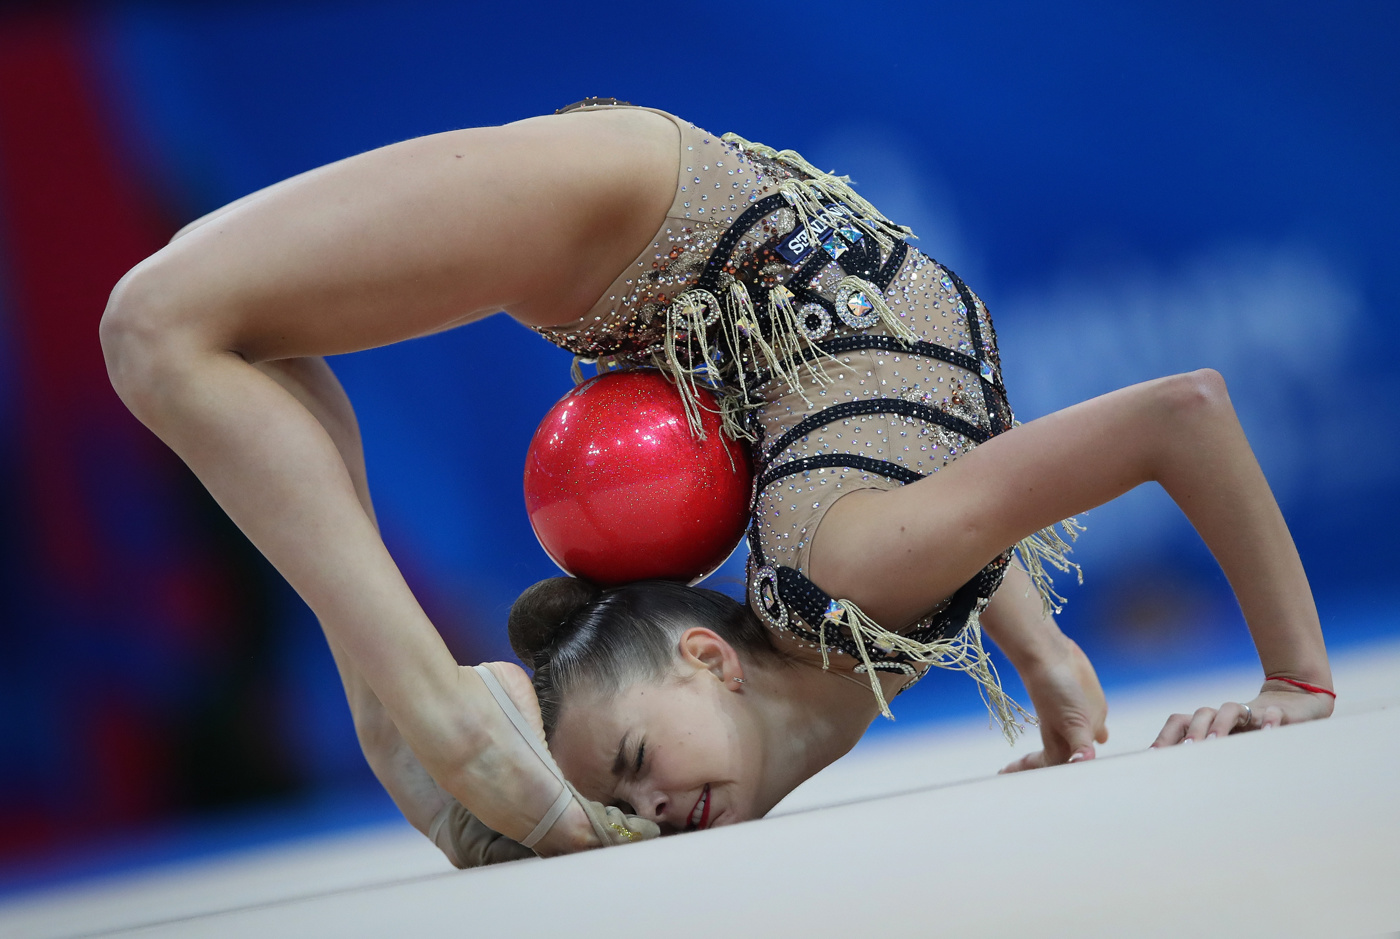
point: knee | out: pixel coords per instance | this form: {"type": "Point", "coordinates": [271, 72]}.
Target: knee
{"type": "Point", "coordinates": [141, 335]}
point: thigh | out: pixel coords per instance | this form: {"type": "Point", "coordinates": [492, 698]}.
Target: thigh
{"type": "Point", "coordinates": [536, 218]}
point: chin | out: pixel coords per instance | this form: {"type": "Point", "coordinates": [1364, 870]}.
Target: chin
{"type": "Point", "coordinates": [733, 816]}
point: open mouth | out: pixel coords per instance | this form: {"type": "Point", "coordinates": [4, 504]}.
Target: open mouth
{"type": "Point", "coordinates": [700, 815]}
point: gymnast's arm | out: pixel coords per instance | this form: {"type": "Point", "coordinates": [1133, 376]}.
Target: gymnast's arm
{"type": "Point", "coordinates": [900, 548]}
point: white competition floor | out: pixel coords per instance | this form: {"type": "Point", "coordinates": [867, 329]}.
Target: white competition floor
{"type": "Point", "coordinates": [1294, 831]}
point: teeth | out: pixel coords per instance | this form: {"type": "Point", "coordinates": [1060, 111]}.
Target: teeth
{"type": "Point", "coordinates": [699, 811]}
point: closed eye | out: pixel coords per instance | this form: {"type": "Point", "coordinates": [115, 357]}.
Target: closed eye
{"type": "Point", "coordinates": [620, 761]}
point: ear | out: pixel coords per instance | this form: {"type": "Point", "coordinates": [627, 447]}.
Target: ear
{"type": "Point", "coordinates": [706, 651]}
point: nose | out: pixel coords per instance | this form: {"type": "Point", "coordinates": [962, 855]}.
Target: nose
{"type": "Point", "coordinates": [651, 804]}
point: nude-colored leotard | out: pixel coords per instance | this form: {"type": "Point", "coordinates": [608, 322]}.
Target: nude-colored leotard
{"type": "Point", "coordinates": [886, 370]}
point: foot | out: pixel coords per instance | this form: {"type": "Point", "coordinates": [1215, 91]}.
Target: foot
{"type": "Point", "coordinates": [505, 784]}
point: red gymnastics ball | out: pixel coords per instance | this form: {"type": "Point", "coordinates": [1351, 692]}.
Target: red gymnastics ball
{"type": "Point", "coordinates": [618, 489]}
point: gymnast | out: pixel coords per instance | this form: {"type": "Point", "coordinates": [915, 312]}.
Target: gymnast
{"type": "Point", "coordinates": [899, 512]}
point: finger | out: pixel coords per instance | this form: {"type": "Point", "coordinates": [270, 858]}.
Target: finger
{"type": "Point", "coordinates": [1200, 724]}
{"type": "Point", "coordinates": [1079, 745]}
{"type": "Point", "coordinates": [1229, 719]}
{"type": "Point", "coordinates": [1034, 760]}
{"type": "Point", "coordinates": [1272, 717]}
{"type": "Point", "coordinates": [1101, 735]}
{"type": "Point", "coordinates": [1173, 731]}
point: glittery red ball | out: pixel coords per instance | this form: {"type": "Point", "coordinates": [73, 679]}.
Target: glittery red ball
{"type": "Point", "coordinates": [618, 489]}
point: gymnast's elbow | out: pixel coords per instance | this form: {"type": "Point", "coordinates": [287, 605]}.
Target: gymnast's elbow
{"type": "Point", "coordinates": [1191, 394]}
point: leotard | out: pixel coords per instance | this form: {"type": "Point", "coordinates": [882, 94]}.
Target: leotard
{"type": "Point", "coordinates": [849, 359]}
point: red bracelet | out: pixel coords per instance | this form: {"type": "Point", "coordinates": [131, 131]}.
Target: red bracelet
{"type": "Point", "coordinates": [1315, 689]}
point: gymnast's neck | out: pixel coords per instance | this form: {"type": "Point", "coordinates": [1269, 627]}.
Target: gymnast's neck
{"type": "Point", "coordinates": [808, 719]}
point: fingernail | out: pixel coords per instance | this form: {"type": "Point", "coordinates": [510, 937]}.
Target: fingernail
{"type": "Point", "coordinates": [1187, 740]}
{"type": "Point", "coordinates": [1076, 758]}
{"type": "Point", "coordinates": [1211, 735]}
{"type": "Point", "coordinates": [1266, 726]}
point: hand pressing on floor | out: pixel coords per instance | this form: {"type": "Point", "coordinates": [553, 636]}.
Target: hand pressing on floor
{"type": "Point", "coordinates": [1279, 702]}
{"type": "Point", "coordinates": [1065, 692]}
{"type": "Point", "coordinates": [1069, 707]}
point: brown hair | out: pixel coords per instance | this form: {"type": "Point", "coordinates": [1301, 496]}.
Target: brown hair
{"type": "Point", "coordinates": [575, 634]}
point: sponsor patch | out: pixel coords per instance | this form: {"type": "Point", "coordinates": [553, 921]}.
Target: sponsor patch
{"type": "Point", "coordinates": [799, 243]}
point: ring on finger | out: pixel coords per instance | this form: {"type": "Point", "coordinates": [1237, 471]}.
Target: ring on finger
{"type": "Point", "coordinates": [1247, 718]}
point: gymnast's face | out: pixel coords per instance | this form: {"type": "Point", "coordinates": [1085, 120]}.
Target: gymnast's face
{"type": "Point", "coordinates": [684, 750]}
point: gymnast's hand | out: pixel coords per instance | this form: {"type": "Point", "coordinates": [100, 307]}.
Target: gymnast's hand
{"type": "Point", "coordinates": [1069, 705]}
{"type": "Point", "coordinates": [1278, 703]}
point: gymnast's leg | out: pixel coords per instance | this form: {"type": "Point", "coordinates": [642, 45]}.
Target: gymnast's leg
{"type": "Point", "coordinates": [314, 385]}
{"type": "Point", "coordinates": [537, 218]}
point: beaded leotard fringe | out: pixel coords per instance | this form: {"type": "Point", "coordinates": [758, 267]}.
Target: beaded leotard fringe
{"type": "Point", "coordinates": [823, 202]}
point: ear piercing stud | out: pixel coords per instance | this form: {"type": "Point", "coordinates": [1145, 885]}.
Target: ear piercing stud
{"type": "Point", "coordinates": [738, 680]}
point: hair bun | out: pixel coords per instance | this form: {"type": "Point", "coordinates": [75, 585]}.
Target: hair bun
{"type": "Point", "coordinates": [539, 612]}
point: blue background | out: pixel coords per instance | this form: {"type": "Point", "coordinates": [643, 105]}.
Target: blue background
{"type": "Point", "coordinates": [1133, 190]}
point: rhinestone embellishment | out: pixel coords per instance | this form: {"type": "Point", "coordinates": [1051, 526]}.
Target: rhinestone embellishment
{"type": "Point", "coordinates": [814, 321]}
{"type": "Point", "coordinates": [763, 588]}
{"type": "Point", "coordinates": [712, 313]}
{"type": "Point", "coordinates": [855, 308]}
